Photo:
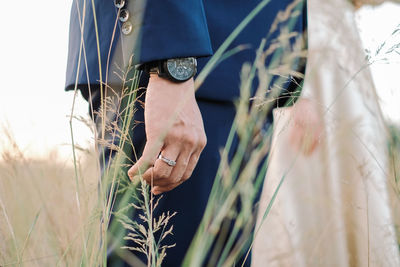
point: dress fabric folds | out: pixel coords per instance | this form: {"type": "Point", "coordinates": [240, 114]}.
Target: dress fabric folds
{"type": "Point", "coordinates": [332, 208]}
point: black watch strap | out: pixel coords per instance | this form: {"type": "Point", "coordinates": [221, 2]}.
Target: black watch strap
{"type": "Point", "coordinates": [156, 67]}
{"type": "Point", "coordinates": [149, 67]}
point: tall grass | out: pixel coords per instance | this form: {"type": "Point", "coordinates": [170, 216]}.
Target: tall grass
{"type": "Point", "coordinates": [394, 181]}
{"type": "Point", "coordinates": [41, 222]}
{"type": "Point", "coordinates": [54, 214]}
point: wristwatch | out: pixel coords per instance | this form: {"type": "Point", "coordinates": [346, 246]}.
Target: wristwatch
{"type": "Point", "coordinates": [174, 69]}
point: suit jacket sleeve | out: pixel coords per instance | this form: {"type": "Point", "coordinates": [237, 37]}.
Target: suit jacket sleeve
{"type": "Point", "coordinates": [173, 28]}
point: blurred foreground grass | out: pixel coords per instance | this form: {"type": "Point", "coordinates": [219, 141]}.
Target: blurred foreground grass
{"type": "Point", "coordinates": [394, 181]}
{"type": "Point", "coordinates": [43, 222]}
{"type": "Point", "coordinates": [40, 218]}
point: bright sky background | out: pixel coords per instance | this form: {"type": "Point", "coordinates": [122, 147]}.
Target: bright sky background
{"type": "Point", "coordinates": [33, 54]}
{"type": "Point", "coordinates": [376, 25]}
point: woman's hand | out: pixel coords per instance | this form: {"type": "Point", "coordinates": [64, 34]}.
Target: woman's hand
{"type": "Point", "coordinates": [307, 126]}
{"type": "Point", "coordinates": [360, 3]}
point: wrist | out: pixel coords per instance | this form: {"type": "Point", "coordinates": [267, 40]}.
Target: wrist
{"type": "Point", "coordinates": [161, 83]}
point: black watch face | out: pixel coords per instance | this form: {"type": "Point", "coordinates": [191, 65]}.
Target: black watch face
{"type": "Point", "coordinates": [181, 69]}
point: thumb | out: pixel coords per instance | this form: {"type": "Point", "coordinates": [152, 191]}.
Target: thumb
{"type": "Point", "coordinates": [149, 156]}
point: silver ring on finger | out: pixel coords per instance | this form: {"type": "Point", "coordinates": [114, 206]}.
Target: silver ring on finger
{"type": "Point", "coordinates": [170, 162]}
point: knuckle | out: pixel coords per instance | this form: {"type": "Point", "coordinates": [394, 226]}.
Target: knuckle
{"type": "Point", "coordinates": [184, 164]}
{"type": "Point", "coordinates": [169, 188]}
{"type": "Point", "coordinates": [175, 180]}
{"type": "Point", "coordinates": [187, 136]}
{"type": "Point", "coordinates": [190, 140]}
{"type": "Point", "coordinates": [203, 142]}
{"type": "Point", "coordinates": [161, 174]}
{"type": "Point", "coordinates": [195, 159]}
{"type": "Point", "coordinates": [175, 135]}
{"type": "Point", "coordinates": [166, 188]}
{"type": "Point", "coordinates": [147, 180]}
{"type": "Point", "coordinates": [186, 176]}
{"type": "Point", "coordinates": [158, 183]}
{"type": "Point", "coordinates": [188, 173]}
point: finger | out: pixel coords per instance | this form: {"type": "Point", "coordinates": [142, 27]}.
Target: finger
{"type": "Point", "coordinates": [194, 158]}
{"type": "Point", "coordinates": [160, 186]}
{"type": "Point", "coordinates": [162, 189]}
{"type": "Point", "coordinates": [148, 176]}
{"type": "Point", "coordinates": [181, 166]}
{"type": "Point", "coordinates": [162, 171]}
{"type": "Point", "coordinates": [177, 174]}
{"type": "Point", "coordinates": [149, 156]}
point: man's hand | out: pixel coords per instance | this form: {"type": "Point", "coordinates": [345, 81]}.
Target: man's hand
{"type": "Point", "coordinates": [174, 129]}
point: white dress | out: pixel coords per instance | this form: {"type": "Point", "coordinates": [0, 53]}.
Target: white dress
{"type": "Point", "coordinates": [333, 207]}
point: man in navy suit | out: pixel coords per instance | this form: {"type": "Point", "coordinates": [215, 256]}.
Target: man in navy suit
{"type": "Point", "coordinates": [174, 38]}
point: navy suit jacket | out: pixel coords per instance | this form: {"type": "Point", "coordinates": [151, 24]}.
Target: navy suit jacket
{"type": "Point", "coordinates": [174, 28]}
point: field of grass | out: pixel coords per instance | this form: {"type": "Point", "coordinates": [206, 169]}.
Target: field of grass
{"type": "Point", "coordinates": [52, 212]}
{"type": "Point", "coordinates": [41, 221]}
